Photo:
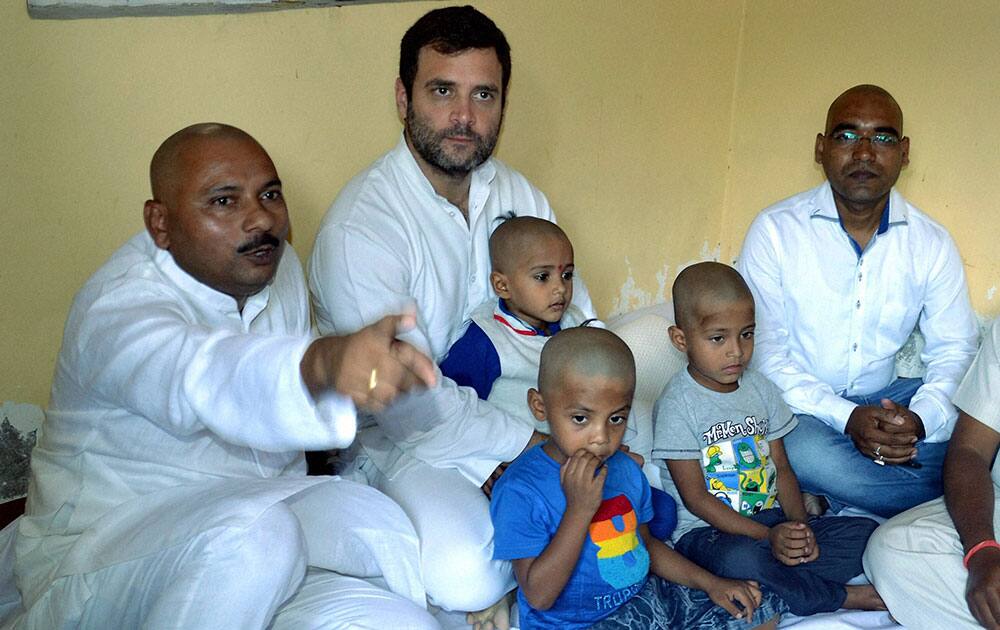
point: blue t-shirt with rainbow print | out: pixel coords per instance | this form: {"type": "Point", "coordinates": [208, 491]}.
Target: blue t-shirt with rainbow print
{"type": "Point", "coordinates": [527, 506]}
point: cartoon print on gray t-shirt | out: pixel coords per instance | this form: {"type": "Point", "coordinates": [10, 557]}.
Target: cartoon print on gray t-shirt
{"type": "Point", "coordinates": [738, 470]}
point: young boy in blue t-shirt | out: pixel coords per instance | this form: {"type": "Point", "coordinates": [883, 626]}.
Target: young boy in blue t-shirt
{"type": "Point", "coordinates": [718, 433]}
{"type": "Point", "coordinates": [571, 513]}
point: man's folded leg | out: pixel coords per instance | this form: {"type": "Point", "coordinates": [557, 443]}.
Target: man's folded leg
{"type": "Point", "coordinates": [915, 562]}
{"type": "Point", "coordinates": [452, 518]}
{"type": "Point", "coordinates": [224, 577]}
{"type": "Point", "coordinates": [357, 531]}
{"type": "Point", "coordinates": [327, 601]}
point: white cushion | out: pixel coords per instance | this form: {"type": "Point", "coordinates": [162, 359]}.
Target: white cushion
{"type": "Point", "coordinates": [656, 362]}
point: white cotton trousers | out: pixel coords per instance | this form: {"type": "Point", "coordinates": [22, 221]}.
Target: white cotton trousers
{"type": "Point", "coordinates": [451, 516]}
{"type": "Point", "coordinates": [915, 562]}
{"type": "Point", "coordinates": [249, 575]}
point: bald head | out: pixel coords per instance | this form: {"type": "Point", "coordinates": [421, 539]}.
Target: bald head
{"type": "Point", "coordinates": [700, 286]}
{"type": "Point", "coordinates": [218, 208]}
{"type": "Point", "coordinates": [862, 93]}
{"type": "Point", "coordinates": [587, 352]}
{"type": "Point", "coordinates": [167, 162]}
{"type": "Point", "coordinates": [517, 235]}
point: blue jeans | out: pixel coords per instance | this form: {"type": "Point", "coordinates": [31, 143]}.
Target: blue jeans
{"type": "Point", "coordinates": [827, 463]}
{"type": "Point", "coordinates": [810, 588]}
{"type": "Point", "coordinates": [663, 605]}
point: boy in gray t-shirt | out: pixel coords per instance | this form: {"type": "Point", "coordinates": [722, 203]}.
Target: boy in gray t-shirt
{"type": "Point", "coordinates": [730, 433]}
{"type": "Point", "coordinates": [718, 440]}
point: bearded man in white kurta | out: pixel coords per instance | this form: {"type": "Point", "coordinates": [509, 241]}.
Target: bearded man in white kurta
{"type": "Point", "coordinates": [168, 488]}
{"type": "Point", "coordinates": [415, 227]}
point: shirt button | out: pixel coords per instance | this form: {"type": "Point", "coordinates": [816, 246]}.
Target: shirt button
{"type": "Point", "coordinates": [472, 279]}
{"type": "Point", "coordinates": [854, 348]}
{"type": "Point", "coordinates": [859, 277]}
{"type": "Point", "coordinates": [857, 304]}
{"type": "Point", "coordinates": [451, 213]}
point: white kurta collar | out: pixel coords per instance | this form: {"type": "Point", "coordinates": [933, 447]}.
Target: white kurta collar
{"type": "Point", "coordinates": [206, 295]}
{"type": "Point", "coordinates": [479, 188]}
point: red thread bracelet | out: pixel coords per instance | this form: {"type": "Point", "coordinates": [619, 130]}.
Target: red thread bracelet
{"type": "Point", "coordinates": [977, 548]}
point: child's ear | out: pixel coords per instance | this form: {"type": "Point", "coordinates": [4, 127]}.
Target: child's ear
{"type": "Point", "coordinates": [536, 404]}
{"type": "Point", "coordinates": [677, 338]}
{"type": "Point", "coordinates": [500, 285]}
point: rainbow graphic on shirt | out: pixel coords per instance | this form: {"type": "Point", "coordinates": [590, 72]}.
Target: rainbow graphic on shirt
{"type": "Point", "coordinates": [622, 559]}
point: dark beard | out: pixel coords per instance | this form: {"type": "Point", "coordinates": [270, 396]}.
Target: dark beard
{"type": "Point", "coordinates": [428, 143]}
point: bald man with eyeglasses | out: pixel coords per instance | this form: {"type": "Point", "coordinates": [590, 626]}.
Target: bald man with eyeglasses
{"type": "Point", "coordinates": [842, 275]}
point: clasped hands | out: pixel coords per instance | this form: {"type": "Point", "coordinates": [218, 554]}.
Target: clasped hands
{"type": "Point", "coordinates": [371, 366]}
{"type": "Point", "coordinates": [793, 542]}
{"type": "Point", "coordinates": [885, 434]}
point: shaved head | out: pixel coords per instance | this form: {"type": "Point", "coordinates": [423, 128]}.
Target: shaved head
{"type": "Point", "coordinates": [862, 150]}
{"type": "Point", "coordinates": [699, 286]}
{"type": "Point", "coordinates": [169, 157]}
{"type": "Point", "coordinates": [514, 236]}
{"type": "Point", "coordinates": [861, 92]}
{"type": "Point", "coordinates": [218, 208]}
{"type": "Point", "coordinates": [585, 352]}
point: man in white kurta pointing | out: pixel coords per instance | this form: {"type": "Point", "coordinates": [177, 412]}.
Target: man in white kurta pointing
{"type": "Point", "coordinates": [168, 488]}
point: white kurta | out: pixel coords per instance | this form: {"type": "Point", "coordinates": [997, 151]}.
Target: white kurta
{"type": "Point", "coordinates": [915, 558]}
{"type": "Point", "coordinates": [390, 240]}
{"type": "Point", "coordinates": [171, 413]}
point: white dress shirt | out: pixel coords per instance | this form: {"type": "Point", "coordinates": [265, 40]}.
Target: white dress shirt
{"type": "Point", "coordinates": [830, 321]}
{"type": "Point", "coordinates": [167, 400]}
{"type": "Point", "coordinates": [390, 240]}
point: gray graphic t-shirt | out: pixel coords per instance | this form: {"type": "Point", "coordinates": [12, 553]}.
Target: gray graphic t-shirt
{"type": "Point", "coordinates": [728, 434]}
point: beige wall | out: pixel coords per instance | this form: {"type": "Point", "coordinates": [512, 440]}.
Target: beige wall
{"type": "Point", "coordinates": [940, 61]}
{"type": "Point", "coordinates": [657, 129]}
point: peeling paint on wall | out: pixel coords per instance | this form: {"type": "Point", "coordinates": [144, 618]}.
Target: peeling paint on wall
{"type": "Point", "coordinates": [631, 296]}
{"type": "Point", "coordinates": [705, 254]}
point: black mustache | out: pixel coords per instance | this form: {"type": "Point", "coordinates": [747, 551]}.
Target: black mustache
{"type": "Point", "coordinates": [461, 130]}
{"type": "Point", "coordinates": [260, 241]}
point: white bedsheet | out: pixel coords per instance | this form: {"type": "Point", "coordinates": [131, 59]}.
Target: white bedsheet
{"type": "Point", "coordinates": [840, 620]}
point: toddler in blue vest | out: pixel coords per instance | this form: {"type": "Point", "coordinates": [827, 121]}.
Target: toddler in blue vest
{"type": "Point", "coordinates": [532, 276]}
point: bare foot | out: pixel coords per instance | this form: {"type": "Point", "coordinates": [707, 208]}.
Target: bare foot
{"type": "Point", "coordinates": [770, 624]}
{"type": "Point", "coordinates": [815, 506]}
{"type": "Point", "coordinates": [496, 617]}
{"type": "Point", "coordinates": [863, 597]}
